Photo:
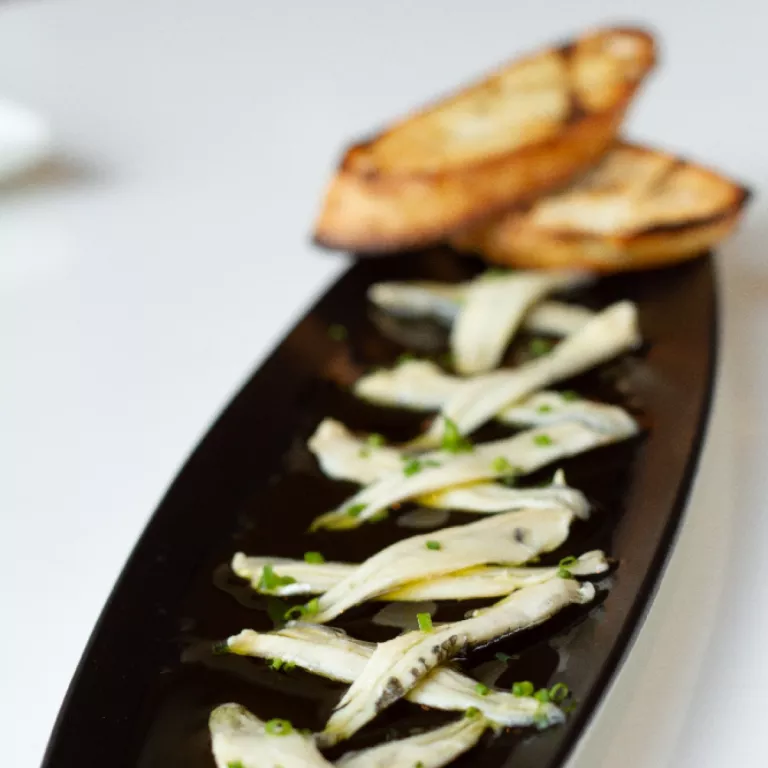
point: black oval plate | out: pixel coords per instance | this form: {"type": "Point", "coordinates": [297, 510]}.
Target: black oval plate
{"type": "Point", "coordinates": [147, 680]}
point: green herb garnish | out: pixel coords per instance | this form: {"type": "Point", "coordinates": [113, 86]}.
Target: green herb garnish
{"type": "Point", "coordinates": [544, 408]}
{"type": "Point", "coordinates": [559, 692]}
{"type": "Point", "coordinates": [406, 357]}
{"type": "Point", "coordinates": [275, 664]}
{"type": "Point", "coordinates": [539, 347]}
{"type": "Point", "coordinates": [542, 695]}
{"type": "Point", "coordinates": [375, 440]}
{"type": "Point", "coordinates": [412, 467]}
{"type": "Point", "coordinates": [313, 557]}
{"type": "Point", "coordinates": [276, 609]}
{"type": "Point", "coordinates": [502, 466]}
{"type": "Point", "coordinates": [542, 439]}
{"type": "Point", "coordinates": [425, 621]}
{"type": "Point", "coordinates": [472, 712]}
{"type": "Point", "coordinates": [482, 690]}
{"type": "Point", "coordinates": [453, 440]}
{"type": "Point", "coordinates": [278, 727]}
{"type": "Point", "coordinates": [299, 611]}
{"type": "Point", "coordinates": [235, 764]}
{"type": "Point", "coordinates": [270, 581]}
{"type": "Point", "coordinates": [220, 648]}
{"type": "Point", "coordinates": [337, 332]}
{"type": "Point", "coordinates": [377, 517]}
{"type": "Point", "coordinates": [355, 510]}
{"type": "Point", "coordinates": [564, 566]}
{"type": "Point", "coordinates": [569, 395]}
{"type": "Point", "coordinates": [434, 545]}
{"type": "Point", "coordinates": [523, 689]}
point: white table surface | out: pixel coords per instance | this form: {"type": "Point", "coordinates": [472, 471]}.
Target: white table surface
{"type": "Point", "coordinates": [155, 263]}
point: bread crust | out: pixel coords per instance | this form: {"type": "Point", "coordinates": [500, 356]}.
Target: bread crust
{"type": "Point", "coordinates": [403, 189]}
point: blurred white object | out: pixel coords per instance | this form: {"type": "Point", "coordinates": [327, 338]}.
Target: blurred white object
{"type": "Point", "coordinates": [25, 139]}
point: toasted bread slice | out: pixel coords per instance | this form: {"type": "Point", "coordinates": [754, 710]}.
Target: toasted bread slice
{"type": "Point", "coordinates": [528, 128]}
{"type": "Point", "coordinates": [637, 209]}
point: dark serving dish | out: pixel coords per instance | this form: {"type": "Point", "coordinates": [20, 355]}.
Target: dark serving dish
{"type": "Point", "coordinates": [148, 680]}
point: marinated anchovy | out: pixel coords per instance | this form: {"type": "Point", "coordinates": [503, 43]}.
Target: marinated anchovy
{"type": "Point", "coordinates": [467, 584]}
{"type": "Point", "coordinates": [511, 538]}
{"type": "Point", "coordinates": [491, 313]}
{"type": "Point", "coordinates": [239, 738]}
{"type": "Point", "coordinates": [333, 654]}
{"type": "Point", "coordinates": [491, 498]}
{"type": "Point", "coordinates": [442, 301]}
{"type": "Point", "coordinates": [608, 334]}
{"type": "Point", "coordinates": [343, 456]}
{"type": "Point", "coordinates": [398, 665]}
{"type": "Point", "coordinates": [431, 749]}
{"type": "Point", "coordinates": [525, 452]}
{"type": "Point", "coordinates": [421, 385]}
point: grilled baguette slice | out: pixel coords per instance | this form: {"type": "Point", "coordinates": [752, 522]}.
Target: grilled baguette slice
{"type": "Point", "coordinates": [637, 209]}
{"type": "Point", "coordinates": [527, 128]}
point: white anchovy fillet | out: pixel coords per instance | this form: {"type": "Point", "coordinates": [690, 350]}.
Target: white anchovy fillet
{"type": "Point", "coordinates": [343, 456]}
{"type": "Point", "coordinates": [442, 301]}
{"type": "Point", "coordinates": [523, 453]}
{"type": "Point", "coordinates": [608, 334]}
{"type": "Point", "coordinates": [311, 578]}
{"type": "Point", "coordinates": [417, 384]}
{"type": "Point", "coordinates": [493, 581]}
{"type": "Point", "coordinates": [238, 737]}
{"type": "Point", "coordinates": [511, 538]}
{"type": "Point", "coordinates": [467, 584]}
{"type": "Point", "coordinates": [492, 312]}
{"type": "Point", "coordinates": [331, 653]}
{"type": "Point", "coordinates": [491, 498]}
{"type": "Point", "coordinates": [398, 665]}
{"type": "Point", "coordinates": [431, 749]}
{"type": "Point", "coordinates": [422, 385]}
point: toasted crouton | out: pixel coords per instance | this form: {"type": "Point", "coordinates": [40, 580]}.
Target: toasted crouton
{"type": "Point", "coordinates": [528, 128]}
{"type": "Point", "coordinates": [637, 209]}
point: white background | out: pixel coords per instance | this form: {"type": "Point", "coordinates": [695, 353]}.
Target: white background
{"type": "Point", "coordinates": [153, 265]}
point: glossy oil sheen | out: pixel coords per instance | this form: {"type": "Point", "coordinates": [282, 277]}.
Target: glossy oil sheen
{"type": "Point", "coordinates": [148, 680]}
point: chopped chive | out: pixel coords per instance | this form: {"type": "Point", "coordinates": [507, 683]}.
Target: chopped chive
{"type": "Point", "coordinates": [569, 395]}
{"type": "Point", "coordinates": [539, 347]}
{"type": "Point", "coordinates": [434, 545]}
{"type": "Point", "coordinates": [540, 718]}
{"type": "Point", "coordinates": [544, 408]}
{"type": "Point", "coordinates": [419, 765]}
{"type": "Point", "coordinates": [542, 695]}
{"type": "Point", "coordinates": [482, 690]}
{"type": "Point", "coordinates": [412, 467]}
{"type": "Point", "coordinates": [472, 712]}
{"type": "Point", "coordinates": [542, 439]}
{"type": "Point", "coordinates": [276, 609]}
{"type": "Point", "coordinates": [275, 664]}
{"type": "Point", "coordinates": [425, 621]}
{"type": "Point", "coordinates": [375, 440]}
{"type": "Point", "coordinates": [564, 566]}
{"type": "Point", "coordinates": [503, 657]}
{"type": "Point", "coordinates": [559, 692]}
{"type": "Point", "coordinates": [220, 648]}
{"type": "Point", "coordinates": [235, 764]}
{"type": "Point", "coordinates": [269, 580]}
{"type": "Point", "coordinates": [524, 688]}
{"type": "Point", "coordinates": [337, 332]}
{"type": "Point", "coordinates": [313, 557]}
{"type": "Point", "coordinates": [355, 510]}
{"type": "Point", "coordinates": [377, 517]}
{"type": "Point", "coordinates": [453, 440]}
{"type": "Point", "coordinates": [278, 727]}
{"type": "Point", "coordinates": [502, 466]}
{"type": "Point", "coordinates": [406, 357]}
{"type": "Point", "coordinates": [299, 611]}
